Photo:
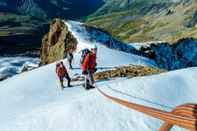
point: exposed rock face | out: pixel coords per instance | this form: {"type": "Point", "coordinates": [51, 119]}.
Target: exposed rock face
{"type": "Point", "coordinates": [179, 55]}
{"type": "Point", "coordinates": [128, 71]}
{"type": "Point", "coordinates": [57, 42]}
{"type": "Point", "coordinates": [192, 21]}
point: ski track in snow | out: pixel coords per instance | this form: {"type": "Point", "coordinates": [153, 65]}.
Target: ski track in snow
{"type": "Point", "coordinates": [33, 101]}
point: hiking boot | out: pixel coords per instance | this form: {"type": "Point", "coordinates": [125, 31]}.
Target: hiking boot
{"type": "Point", "coordinates": [69, 86]}
{"type": "Point", "coordinates": [86, 86]}
{"type": "Point", "coordinates": [62, 86]}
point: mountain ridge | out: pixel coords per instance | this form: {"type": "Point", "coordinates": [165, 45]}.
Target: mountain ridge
{"type": "Point", "coordinates": [149, 20]}
{"type": "Point", "coordinates": [70, 9]}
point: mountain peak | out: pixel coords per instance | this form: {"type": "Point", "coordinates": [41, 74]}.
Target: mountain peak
{"type": "Point", "coordinates": [51, 8]}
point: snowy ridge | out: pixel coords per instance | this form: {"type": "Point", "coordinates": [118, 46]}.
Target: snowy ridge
{"type": "Point", "coordinates": [105, 56]}
{"type": "Point", "coordinates": [94, 35]}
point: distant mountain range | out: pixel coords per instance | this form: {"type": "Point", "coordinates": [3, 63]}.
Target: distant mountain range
{"type": "Point", "coordinates": [147, 20]}
{"type": "Point", "coordinates": [23, 22]}
{"type": "Point", "coordinates": [51, 8]}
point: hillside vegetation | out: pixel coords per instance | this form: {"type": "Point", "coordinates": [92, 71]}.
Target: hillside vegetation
{"type": "Point", "coordinates": [144, 20]}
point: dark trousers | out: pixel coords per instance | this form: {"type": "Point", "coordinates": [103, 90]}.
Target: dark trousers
{"type": "Point", "coordinates": [89, 79]}
{"type": "Point", "coordinates": [62, 80]}
{"type": "Point", "coordinates": [70, 63]}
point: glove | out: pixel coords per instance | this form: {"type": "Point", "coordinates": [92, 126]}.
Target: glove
{"type": "Point", "coordinates": [84, 72]}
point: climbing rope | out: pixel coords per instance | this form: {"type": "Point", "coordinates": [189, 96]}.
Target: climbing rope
{"type": "Point", "coordinates": [184, 116]}
{"type": "Point", "coordinates": [141, 99]}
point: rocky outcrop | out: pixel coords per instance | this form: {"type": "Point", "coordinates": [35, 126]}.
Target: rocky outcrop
{"type": "Point", "coordinates": [128, 71]}
{"type": "Point", "coordinates": [176, 56]}
{"type": "Point", "coordinates": [192, 21]}
{"type": "Point", "coordinates": [57, 42]}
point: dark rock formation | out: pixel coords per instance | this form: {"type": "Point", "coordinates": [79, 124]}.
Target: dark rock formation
{"type": "Point", "coordinates": [169, 12]}
{"type": "Point", "coordinates": [57, 42]}
{"type": "Point", "coordinates": [182, 54]}
{"type": "Point", "coordinates": [192, 21]}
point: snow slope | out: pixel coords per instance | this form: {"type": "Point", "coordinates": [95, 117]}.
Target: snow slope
{"type": "Point", "coordinates": [33, 101]}
{"type": "Point", "coordinates": [105, 56]}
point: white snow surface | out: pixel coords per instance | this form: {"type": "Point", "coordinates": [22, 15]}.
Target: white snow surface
{"type": "Point", "coordinates": [105, 56]}
{"type": "Point", "coordinates": [33, 101]}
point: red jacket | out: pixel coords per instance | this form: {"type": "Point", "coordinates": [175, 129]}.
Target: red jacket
{"type": "Point", "coordinates": [61, 71]}
{"type": "Point", "coordinates": [89, 62]}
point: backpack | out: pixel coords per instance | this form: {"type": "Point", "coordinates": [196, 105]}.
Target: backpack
{"type": "Point", "coordinates": [89, 63]}
{"type": "Point", "coordinates": [83, 55]}
{"type": "Point", "coordinates": [61, 71]}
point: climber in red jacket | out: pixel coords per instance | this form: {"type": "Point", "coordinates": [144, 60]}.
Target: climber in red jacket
{"type": "Point", "coordinates": [62, 73]}
{"type": "Point", "coordinates": [89, 68]}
